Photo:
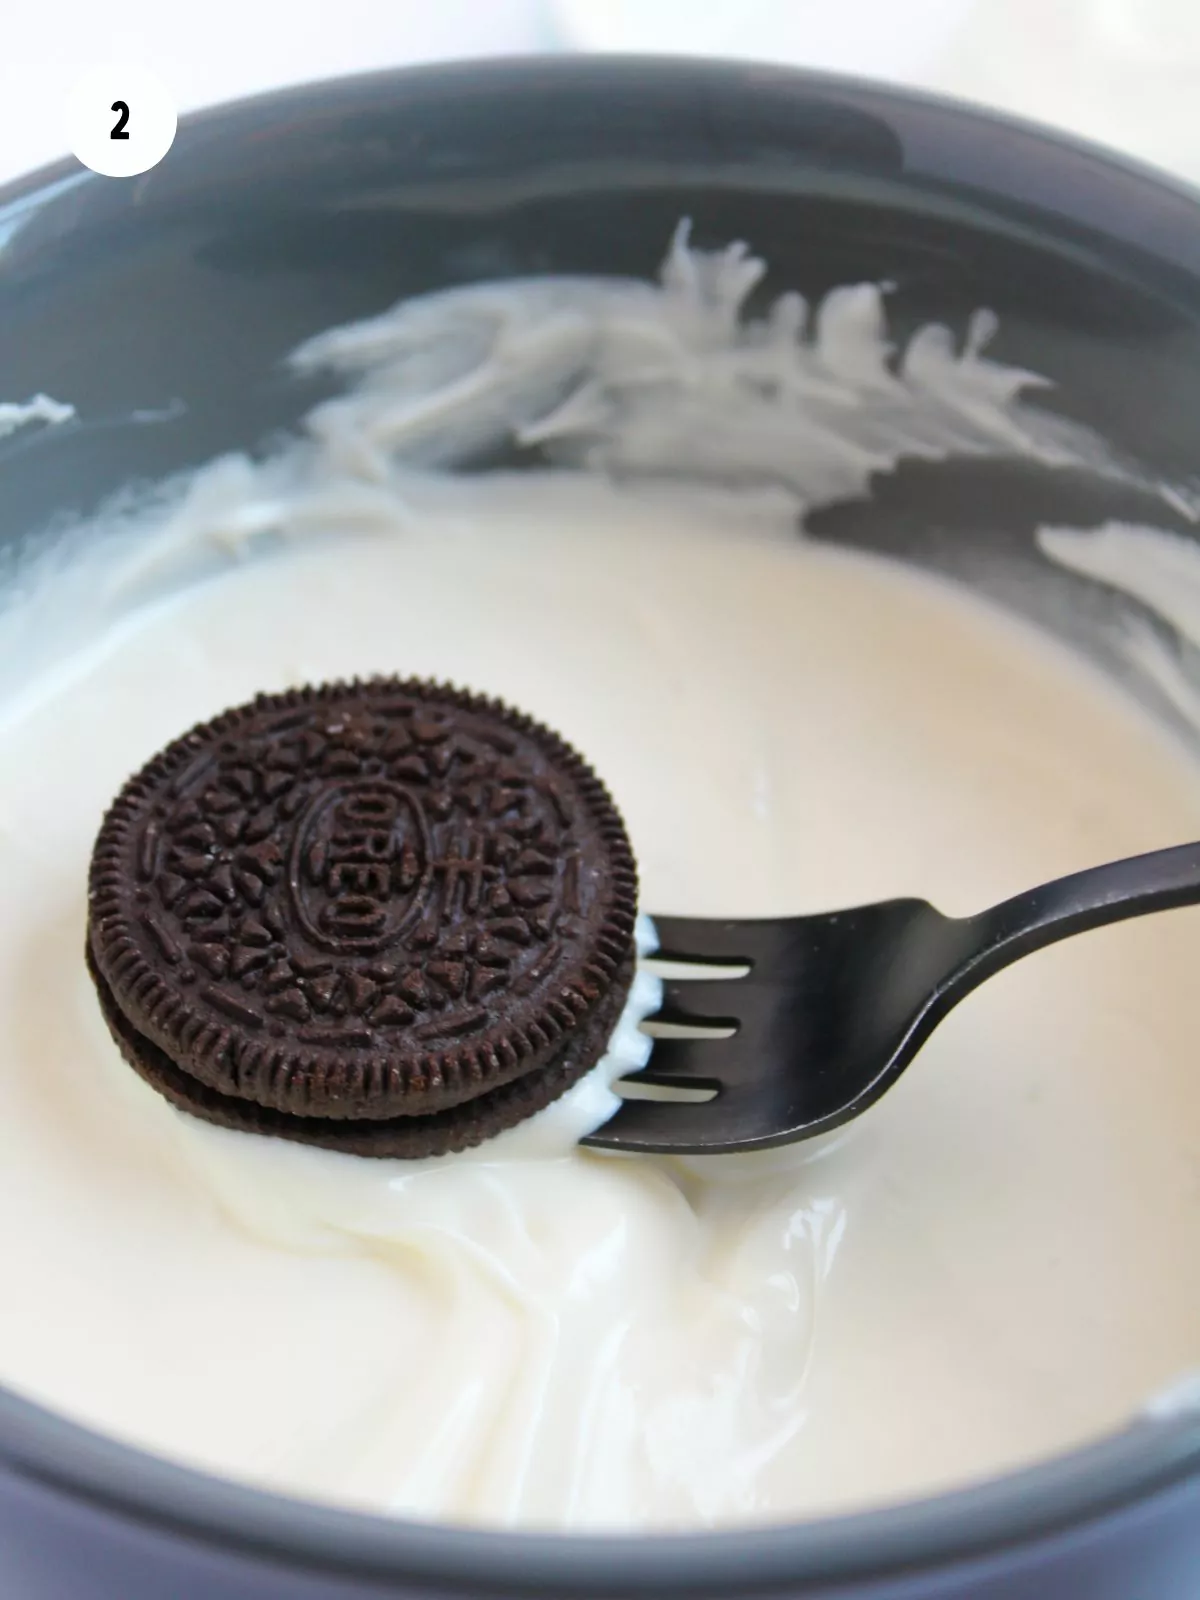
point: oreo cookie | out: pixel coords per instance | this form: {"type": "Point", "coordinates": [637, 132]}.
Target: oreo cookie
{"type": "Point", "coordinates": [389, 917]}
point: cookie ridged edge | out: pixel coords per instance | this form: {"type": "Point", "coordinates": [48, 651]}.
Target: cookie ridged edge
{"type": "Point", "coordinates": [412, 1138]}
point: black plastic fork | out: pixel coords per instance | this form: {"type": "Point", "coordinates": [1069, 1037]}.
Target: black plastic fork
{"type": "Point", "coordinates": [835, 1006]}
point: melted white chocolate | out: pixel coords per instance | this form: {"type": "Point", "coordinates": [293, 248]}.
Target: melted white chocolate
{"type": "Point", "coordinates": [992, 1265]}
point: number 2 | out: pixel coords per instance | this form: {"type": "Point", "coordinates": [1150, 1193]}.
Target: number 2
{"type": "Point", "coordinates": [119, 127]}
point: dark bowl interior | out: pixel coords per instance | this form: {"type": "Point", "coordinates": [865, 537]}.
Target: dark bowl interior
{"type": "Point", "coordinates": [177, 295]}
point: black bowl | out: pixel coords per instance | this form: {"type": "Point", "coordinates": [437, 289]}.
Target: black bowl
{"type": "Point", "coordinates": [276, 218]}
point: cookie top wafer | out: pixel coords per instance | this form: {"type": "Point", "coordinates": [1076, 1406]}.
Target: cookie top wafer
{"type": "Point", "coordinates": [364, 900]}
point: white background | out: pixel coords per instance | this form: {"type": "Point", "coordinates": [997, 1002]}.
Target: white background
{"type": "Point", "coordinates": [1126, 72]}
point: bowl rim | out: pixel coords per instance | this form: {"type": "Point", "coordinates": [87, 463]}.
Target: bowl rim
{"type": "Point", "coordinates": [1002, 157]}
{"type": "Point", "coordinates": [1068, 1493]}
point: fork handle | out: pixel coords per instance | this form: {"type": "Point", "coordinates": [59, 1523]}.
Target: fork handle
{"type": "Point", "coordinates": [1159, 881]}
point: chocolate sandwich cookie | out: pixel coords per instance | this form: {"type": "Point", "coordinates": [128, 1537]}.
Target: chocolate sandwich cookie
{"type": "Point", "coordinates": [390, 917]}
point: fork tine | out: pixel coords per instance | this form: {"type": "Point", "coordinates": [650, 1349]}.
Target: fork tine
{"type": "Point", "coordinates": [662, 1125]}
{"type": "Point", "coordinates": [701, 1060]}
{"type": "Point", "coordinates": [704, 939]}
{"type": "Point", "coordinates": [700, 1000]}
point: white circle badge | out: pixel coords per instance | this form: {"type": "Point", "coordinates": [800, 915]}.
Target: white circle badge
{"type": "Point", "coordinates": [121, 119]}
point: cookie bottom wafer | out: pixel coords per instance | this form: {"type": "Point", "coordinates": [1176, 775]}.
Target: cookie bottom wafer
{"type": "Point", "coordinates": [411, 1137]}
